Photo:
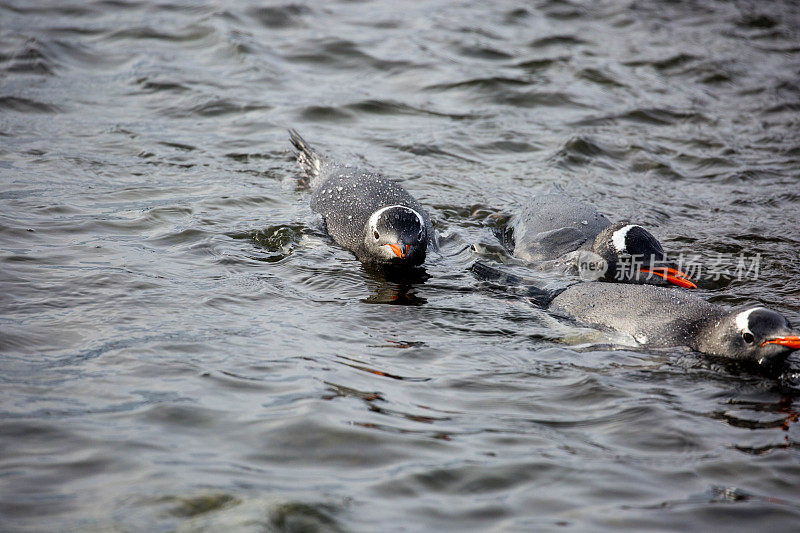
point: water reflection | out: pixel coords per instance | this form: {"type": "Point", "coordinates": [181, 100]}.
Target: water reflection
{"type": "Point", "coordinates": [394, 286]}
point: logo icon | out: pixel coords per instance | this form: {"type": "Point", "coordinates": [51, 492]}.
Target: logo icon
{"type": "Point", "coordinates": [591, 266]}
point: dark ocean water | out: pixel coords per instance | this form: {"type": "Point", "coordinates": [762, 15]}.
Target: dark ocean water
{"type": "Point", "coordinates": [182, 347]}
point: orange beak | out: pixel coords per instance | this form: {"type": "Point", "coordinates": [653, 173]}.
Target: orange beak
{"type": "Point", "coordinates": [399, 251]}
{"type": "Point", "coordinates": [792, 342]}
{"type": "Point", "coordinates": [670, 274]}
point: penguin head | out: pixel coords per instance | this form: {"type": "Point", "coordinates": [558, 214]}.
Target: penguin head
{"type": "Point", "coordinates": [755, 335]}
{"type": "Point", "coordinates": [396, 235]}
{"type": "Point", "coordinates": [634, 255]}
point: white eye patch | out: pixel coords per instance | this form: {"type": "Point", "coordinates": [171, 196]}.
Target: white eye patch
{"type": "Point", "coordinates": [373, 219]}
{"type": "Point", "coordinates": [743, 320]}
{"type": "Point", "coordinates": [618, 238]}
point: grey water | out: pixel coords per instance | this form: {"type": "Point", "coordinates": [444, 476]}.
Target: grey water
{"type": "Point", "coordinates": [183, 348]}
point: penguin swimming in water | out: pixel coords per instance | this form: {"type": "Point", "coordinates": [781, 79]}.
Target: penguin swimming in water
{"type": "Point", "coordinates": [370, 215]}
{"type": "Point", "coordinates": [666, 317]}
{"type": "Point", "coordinates": [555, 229]}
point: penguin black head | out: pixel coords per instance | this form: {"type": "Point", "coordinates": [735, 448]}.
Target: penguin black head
{"type": "Point", "coordinates": [758, 335]}
{"type": "Point", "coordinates": [634, 255]}
{"type": "Point", "coordinates": [396, 235]}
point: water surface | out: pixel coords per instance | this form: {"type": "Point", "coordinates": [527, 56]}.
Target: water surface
{"type": "Point", "coordinates": [182, 347]}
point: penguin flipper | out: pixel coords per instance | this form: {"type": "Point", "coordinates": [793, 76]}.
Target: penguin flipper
{"type": "Point", "coordinates": [484, 272]}
{"type": "Point", "coordinates": [537, 295]}
{"type": "Point", "coordinates": [309, 159]}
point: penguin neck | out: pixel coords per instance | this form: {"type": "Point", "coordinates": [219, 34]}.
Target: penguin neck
{"type": "Point", "coordinates": [602, 248]}
{"type": "Point", "coordinates": [705, 335]}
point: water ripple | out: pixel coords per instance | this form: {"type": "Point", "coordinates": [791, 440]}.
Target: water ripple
{"type": "Point", "coordinates": [183, 347]}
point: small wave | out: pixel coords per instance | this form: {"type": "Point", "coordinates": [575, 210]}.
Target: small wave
{"type": "Point", "coordinates": [192, 32]}
{"type": "Point", "coordinates": [582, 150]}
{"type": "Point", "coordinates": [558, 40]}
{"type": "Point", "coordinates": [427, 149]}
{"type": "Point", "coordinates": [599, 77]}
{"type": "Point", "coordinates": [564, 10]}
{"type": "Point", "coordinates": [783, 107]}
{"type": "Point", "coordinates": [516, 16]}
{"type": "Point", "coordinates": [212, 107]}
{"type": "Point", "coordinates": [55, 9]}
{"type": "Point", "coordinates": [150, 86]}
{"type": "Point", "coordinates": [541, 63]}
{"type": "Point", "coordinates": [650, 116]}
{"type": "Point", "coordinates": [538, 98]}
{"type": "Point", "coordinates": [670, 63]}
{"type": "Point", "coordinates": [25, 55]}
{"type": "Point", "coordinates": [386, 107]}
{"type": "Point", "coordinates": [488, 84]}
{"type": "Point", "coordinates": [340, 53]}
{"type": "Point", "coordinates": [287, 16]}
{"type": "Point", "coordinates": [185, 237]}
{"type": "Point", "coordinates": [759, 21]}
{"type": "Point", "coordinates": [178, 146]}
{"type": "Point", "coordinates": [325, 113]}
{"type": "Point", "coordinates": [26, 105]}
{"type": "Point", "coordinates": [484, 52]}
{"type": "Point", "coordinates": [508, 146]}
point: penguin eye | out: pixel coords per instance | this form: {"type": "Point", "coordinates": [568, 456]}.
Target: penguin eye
{"type": "Point", "coordinates": [748, 337]}
{"type": "Point", "coordinates": [376, 235]}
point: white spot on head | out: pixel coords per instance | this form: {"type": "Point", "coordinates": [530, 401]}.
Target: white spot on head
{"type": "Point", "coordinates": [373, 219]}
{"type": "Point", "coordinates": [743, 320]}
{"type": "Point", "coordinates": [618, 238]}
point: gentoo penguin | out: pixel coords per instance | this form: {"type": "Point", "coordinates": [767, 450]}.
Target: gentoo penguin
{"type": "Point", "coordinates": [666, 317]}
{"type": "Point", "coordinates": [370, 215]}
{"type": "Point", "coordinates": [556, 230]}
